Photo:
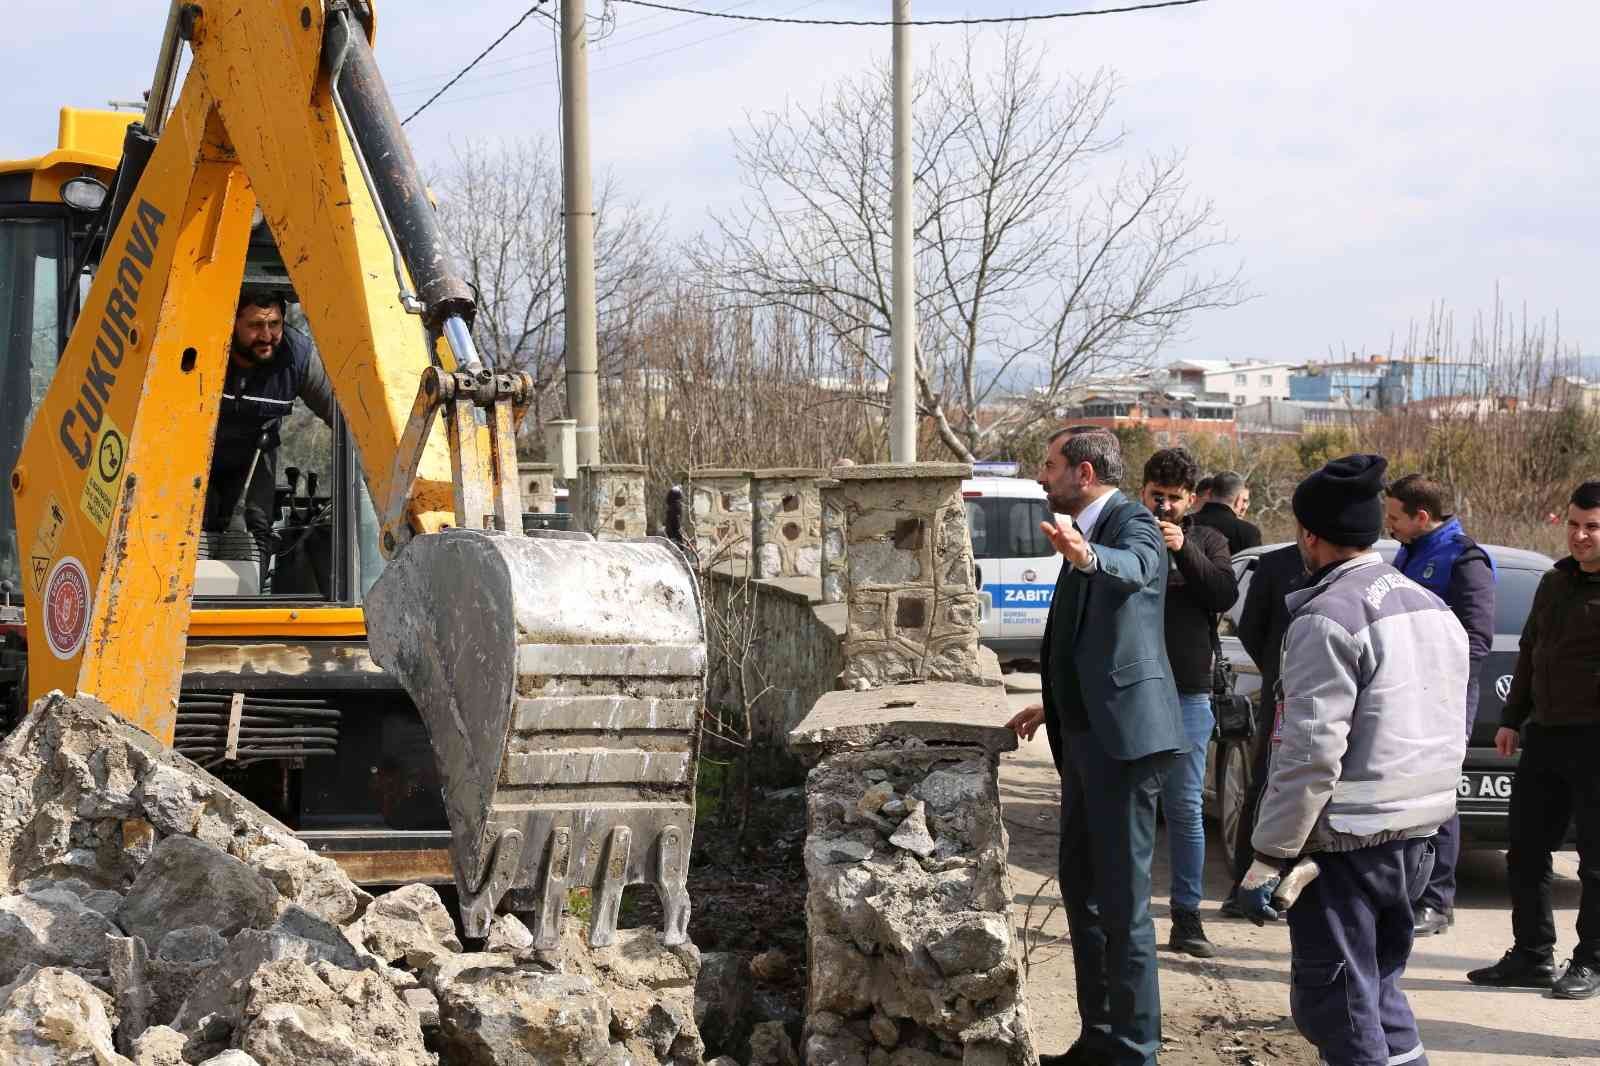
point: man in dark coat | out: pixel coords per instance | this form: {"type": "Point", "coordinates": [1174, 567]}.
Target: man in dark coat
{"type": "Point", "coordinates": [1225, 509]}
{"type": "Point", "coordinates": [1110, 709]}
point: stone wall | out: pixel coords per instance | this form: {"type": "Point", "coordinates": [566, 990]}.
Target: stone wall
{"type": "Point", "coordinates": [538, 483]}
{"type": "Point", "coordinates": [787, 531]}
{"type": "Point", "coordinates": [610, 501]}
{"type": "Point", "coordinates": [912, 955]}
{"type": "Point", "coordinates": [833, 531]}
{"type": "Point", "coordinates": [797, 650]}
{"type": "Point", "coordinates": [913, 601]}
{"type": "Point", "coordinates": [720, 515]}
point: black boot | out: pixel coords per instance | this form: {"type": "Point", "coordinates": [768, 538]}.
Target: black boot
{"type": "Point", "coordinates": [1581, 981]}
{"type": "Point", "coordinates": [1188, 935]}
{"type": "Point", "coordinates": [1518, 969]}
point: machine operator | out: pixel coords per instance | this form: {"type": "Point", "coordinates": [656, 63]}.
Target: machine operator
{"type": "Point", "coordinates": [269, 366]}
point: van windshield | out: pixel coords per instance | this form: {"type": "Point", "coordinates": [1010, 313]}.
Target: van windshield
{"type": "Point", "coordinates": [1007, 528]}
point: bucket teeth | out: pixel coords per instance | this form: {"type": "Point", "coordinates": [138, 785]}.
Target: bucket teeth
{"type": "Point", "coordinates": [561, 680]}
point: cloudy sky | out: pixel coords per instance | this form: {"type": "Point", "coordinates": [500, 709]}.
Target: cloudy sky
{"type": "Point", "coordinates": [1369, 157]}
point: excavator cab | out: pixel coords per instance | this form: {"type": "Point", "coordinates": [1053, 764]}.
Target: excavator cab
{"type": "Point", "coordinates": [557, 679]}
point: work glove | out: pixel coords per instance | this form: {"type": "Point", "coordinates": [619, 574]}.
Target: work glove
{"type": "Point", "coordinates": [1260, 884]}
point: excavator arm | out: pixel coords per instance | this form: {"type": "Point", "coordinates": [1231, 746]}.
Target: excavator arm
{"type": "Point", "coordinates": [560, 678]}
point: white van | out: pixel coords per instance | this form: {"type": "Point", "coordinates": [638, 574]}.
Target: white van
{"type": "Point", "coordinates": [1017, 567]}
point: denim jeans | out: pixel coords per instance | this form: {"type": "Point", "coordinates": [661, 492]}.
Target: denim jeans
{"type": "Point", "coordinates": [1180, 800]}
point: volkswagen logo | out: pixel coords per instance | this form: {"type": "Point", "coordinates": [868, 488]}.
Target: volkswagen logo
{"type": "Point", "coordinates": [1502, 687]}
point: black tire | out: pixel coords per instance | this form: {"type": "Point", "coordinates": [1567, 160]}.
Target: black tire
{"type": "Point", "coordinates": [1233, 784]}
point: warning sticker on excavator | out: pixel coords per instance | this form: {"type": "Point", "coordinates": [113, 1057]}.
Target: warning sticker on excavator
{"type": "Point", "coordinates": [105, 475]}
{"type": "Point", "coordinates": [66, 608]}
{"type": "Point", "coordinates": [46, 539]}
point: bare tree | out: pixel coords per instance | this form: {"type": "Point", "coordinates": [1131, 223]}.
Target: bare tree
{"type": "Point", "coordinates": [1042, 253]}
{"type": "Point", "coordinates": [502, 208]}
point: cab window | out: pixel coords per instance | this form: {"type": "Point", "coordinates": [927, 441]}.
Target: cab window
{"type": "Point", "coordinates": [30, 344]}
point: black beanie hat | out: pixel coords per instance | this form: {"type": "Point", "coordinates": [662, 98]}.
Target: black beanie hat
{"type": "Point", "coordinates": [1343, 502]}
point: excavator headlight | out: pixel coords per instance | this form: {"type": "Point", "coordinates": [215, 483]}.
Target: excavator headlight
{"type": "Point", "coordinates": [84, 193]}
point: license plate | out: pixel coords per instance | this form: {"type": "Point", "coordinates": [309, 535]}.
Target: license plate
{"type": "Point", "coordinates": [1484, 786]}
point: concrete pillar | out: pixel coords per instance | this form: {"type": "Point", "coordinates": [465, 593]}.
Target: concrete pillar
{"type": "Point", "coordinates": [909, 579]}
{"type": "Point", "coordinates": [909, 929]}
{"type": "Point", "coordinates": [720, 515]}
{"type": "Point", "coordinates": [538, 482]}
{"type": "Point", "coordinates": [787, 530]}
{"type": "Point", "coordinates": [610, 501]}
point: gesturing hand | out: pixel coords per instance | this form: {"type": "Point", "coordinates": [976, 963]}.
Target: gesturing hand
{"type": "Point", "coordinates": [1025, 723]}
{"type": "Point", "coordinates": [1069, 541]}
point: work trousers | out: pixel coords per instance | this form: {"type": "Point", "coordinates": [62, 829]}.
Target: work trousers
{"type": "Point", "coordinates": [1108, 831]}
{"type": "Point", "coordinates": [1557, 782]}
{"type": "Point", "coordinates": [1349, 940]}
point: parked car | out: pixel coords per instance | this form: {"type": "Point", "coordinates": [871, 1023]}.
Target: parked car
{"type": "Point", "coordinates": [1484, 791]}
{"type": "Point", "coordinates": [1017, 567]}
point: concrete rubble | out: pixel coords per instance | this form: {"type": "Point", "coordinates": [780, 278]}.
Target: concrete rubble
{"type": "Point", "coordinates": [912, 955]}
{"type": "Point", "coordinates": [150, 916]}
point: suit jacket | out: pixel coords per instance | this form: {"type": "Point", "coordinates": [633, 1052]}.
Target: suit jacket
{"type": "Point", "coordinates": [1240, 534]}
{"type": "Point", "coordinates": [1104, 655]}
{"type": "Point", "coordinates": [1264, 616]}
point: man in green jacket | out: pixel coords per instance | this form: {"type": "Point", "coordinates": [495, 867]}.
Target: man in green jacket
{"type": "Point", "coordinates": [1553, 715]}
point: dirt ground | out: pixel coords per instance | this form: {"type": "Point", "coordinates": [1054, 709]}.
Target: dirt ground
{"type": "Point", "coordinates": [1233, 1009]}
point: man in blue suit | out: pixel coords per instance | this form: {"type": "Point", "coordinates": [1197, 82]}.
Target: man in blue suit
{"type": "Point", "coordinates": [1110, 710]}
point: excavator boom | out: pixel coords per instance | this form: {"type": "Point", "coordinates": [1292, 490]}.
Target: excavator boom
{"type": "Point", "coordinates": [563, 718]}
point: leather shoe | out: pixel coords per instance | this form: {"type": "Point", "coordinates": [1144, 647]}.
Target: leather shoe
{"type": "Point", "coordinates": [1581, 981]}
{"type": "Point", "coordinates": [1517, 969]}
{"type": "Point", "coordinates": [1076, 1055]}
{"type": "Point", "coordinates": [1429, 921]}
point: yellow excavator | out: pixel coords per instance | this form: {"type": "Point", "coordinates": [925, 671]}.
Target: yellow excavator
{"type": "Point", "coordinates": [536, 696]}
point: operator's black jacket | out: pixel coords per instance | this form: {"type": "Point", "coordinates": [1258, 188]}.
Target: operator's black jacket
{"type": "Point", "coordinates": [1220, 517]}
{"type": "Point", "coordinates": [254, 403]}
{"type": "Point", "coordinates": [1200, 586]}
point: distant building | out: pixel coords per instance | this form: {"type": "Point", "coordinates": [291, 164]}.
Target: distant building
{"type": "Point", "coordinates": [1381, 384]}
{"type": "Point", "coordinates": [1296, 417]}
{"type": "Point", "coordinates": [1168, 413]}
{"type": "Point", "coordinates": [1242, 382]}
{"type": "Point", "coordinates": [1567, 391]}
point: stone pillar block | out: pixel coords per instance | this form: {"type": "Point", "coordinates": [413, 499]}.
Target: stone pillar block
{"type": "Point", "coordinates": [787, 529]}
{"type": "Point", "coordinates": [909, 577]}
{"type": "Point", "coordinates": [610, 501]}
{"type": "Point", "coordinates": [908, 908]}
{"type": "Point", "coordinates": [833, 532]}
{"type": "Point", "coordinates": [721, 525]}
{"type": "Point", "coordinates": [538, 482]}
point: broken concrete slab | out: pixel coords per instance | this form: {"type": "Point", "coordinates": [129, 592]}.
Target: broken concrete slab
{"type": "Point", "coordinates": [55, 1018]}
{"type": "Point", "coordinates": [312, 881]}
{"type": "Point", "coordinates": [932, 712]}
{"type": "Point", "coordinates": [722, 996]}
{"type": "Point", "coordinates": [294, 1018]}
{"type": "Point", "coordinates": [159, 1046]}
{"type": "Point", "coordinates": [189, 882]}
{"type": "Point", "coordinates": [770, 1046]}
{"type": "Point", "coordinates": [49, 927]}
{"type": "Point", "coordinates": [409, 923]}
{"type": "Point", "coordinates": [496, 1017]}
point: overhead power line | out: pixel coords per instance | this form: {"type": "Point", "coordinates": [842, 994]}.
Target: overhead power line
{"type": "Point", "coordinates": [526, 15]}
{"type": "Point", "coordinates": [987, 21]}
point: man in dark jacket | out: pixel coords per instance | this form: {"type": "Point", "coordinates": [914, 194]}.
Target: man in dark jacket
{"type": "Point", "coordinates": [1111, 712]}
{"type": "Point", "coordinates": [1553, 715]}
{"type": "Point", "coordinates": [1200, 586]}
{"type": "Point", "coordinates": [1227, 505]}
{"type": "Point", "coordinates": [1262, 622]}
{"type": "Point", "coordinates": [269, 367]}
{"type": "Point", "coordinates": [1437, 554]}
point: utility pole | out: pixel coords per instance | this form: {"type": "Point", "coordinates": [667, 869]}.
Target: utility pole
{"type": "Point", "coordinates": [583, 385]}
{"type": "Point", "coordinates": [903, 329]}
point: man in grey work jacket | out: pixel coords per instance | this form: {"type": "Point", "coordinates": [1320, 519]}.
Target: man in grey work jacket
{"type": "Point", "coordinates": [1367, 749]}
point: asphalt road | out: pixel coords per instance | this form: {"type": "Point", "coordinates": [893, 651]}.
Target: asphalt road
{"type": "Point", "coordinates": [1234, 1008]}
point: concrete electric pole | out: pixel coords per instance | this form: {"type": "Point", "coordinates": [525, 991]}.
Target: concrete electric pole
{"type": "Point", "coordinates": [583, 384]}
{"type": "Point", "coordinates": [903, 329]}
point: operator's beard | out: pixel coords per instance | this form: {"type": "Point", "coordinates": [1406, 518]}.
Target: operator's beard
{"type": "Point", "coordinates": [247, 355]}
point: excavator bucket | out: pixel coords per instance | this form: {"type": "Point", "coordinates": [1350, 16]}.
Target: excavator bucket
{"type": "Point", "coordinates": [561, 680]}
